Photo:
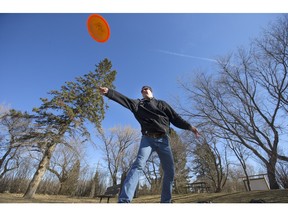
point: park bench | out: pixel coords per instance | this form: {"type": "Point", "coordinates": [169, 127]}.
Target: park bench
{"type": "Point", "coordinates": [109, 193]}
{"type": "Point", "coordinates": [198, 187]}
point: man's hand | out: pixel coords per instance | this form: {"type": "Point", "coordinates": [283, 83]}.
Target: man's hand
{"type": "Point", "coordinates": [103, 90]}
{"type": "Point", "coordinates": [195, 131]}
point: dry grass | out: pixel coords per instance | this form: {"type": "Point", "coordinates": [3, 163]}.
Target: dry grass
{"type": "Point", "coordinates": [273, 196]}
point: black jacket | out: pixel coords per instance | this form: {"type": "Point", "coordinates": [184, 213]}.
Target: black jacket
{"type": "Point", "coordinates": [153, 115]}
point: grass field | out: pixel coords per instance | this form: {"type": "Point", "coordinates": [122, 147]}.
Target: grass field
{"type": "Point", "coordinates": [273, 196]}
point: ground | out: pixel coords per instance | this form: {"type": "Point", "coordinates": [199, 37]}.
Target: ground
{"type": "Point", "coordinates": [272, 196]}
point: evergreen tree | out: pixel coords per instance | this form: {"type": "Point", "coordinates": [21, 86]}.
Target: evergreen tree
{"type": "Point", "coordinates": [66, 113]}
{"type": "Point", "coordinates": [179, 151]}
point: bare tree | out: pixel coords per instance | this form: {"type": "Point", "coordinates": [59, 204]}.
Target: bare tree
{"type": "Point", "coordinates": [243, 102]}
{"type": "Point", "coordinates": [17, 180]}
{"type": "Point", "coordinates": [235, 179]}
{"type": "Point", "coordinates": [63, 164]}
{"type": "Point", "coordinates": [116, 148]}
{"type": "Point", "coordinates": [242, 155]}
{"type": "Point", "coordinates": [153, 173]}
{"type": "Point", "coordinates": [13, 124]}
{"type": "Point", "coordinates": [271, 54]}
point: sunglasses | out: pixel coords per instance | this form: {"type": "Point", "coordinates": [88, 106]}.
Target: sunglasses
{"type": "Point", "coordinates": [145, 89]}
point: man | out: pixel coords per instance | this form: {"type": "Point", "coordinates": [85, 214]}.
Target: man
{"type": "Point", "coordinates": [154, 117]}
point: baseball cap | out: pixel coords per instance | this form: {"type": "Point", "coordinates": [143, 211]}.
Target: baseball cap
{"type": "Point", "coordinates": [146, 87]}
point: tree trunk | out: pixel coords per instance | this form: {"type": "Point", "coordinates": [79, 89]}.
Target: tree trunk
{"type": "Point", "coordinates": [248, 182]}
{"type": "Point", "coordinates": [60, 189]}
{"type": "Point", "coordinates": [114, 179]}
{"type": "Point", "coordinates": [271, 172]}
{"type": "Point", "coordinates": [31, 190]}
{"type": "Point", "coordinates": [93, 188]}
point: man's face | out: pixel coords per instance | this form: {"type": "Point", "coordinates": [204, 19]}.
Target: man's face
{"type": "Point", "coordinates": [147, 93]}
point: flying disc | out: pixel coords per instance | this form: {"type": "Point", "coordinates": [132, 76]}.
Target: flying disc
{"type": "Point", "coordinates": [98, 28]}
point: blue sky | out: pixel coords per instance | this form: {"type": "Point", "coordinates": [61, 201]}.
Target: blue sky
{"type": "Point", "coordinates": [39, 52]}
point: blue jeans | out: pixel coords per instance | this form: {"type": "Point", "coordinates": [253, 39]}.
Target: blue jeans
{"type": "Point", "coordinates": [147, 146]}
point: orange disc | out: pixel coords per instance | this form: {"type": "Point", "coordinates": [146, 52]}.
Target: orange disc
{"type": "Point", "coordinates": [98, 28]}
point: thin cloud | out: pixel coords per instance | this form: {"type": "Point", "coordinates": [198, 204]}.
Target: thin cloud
{"type": "Point", "coordinates": [187, 56]}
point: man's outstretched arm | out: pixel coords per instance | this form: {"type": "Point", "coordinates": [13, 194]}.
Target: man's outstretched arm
{"type": "Point", "coordinates": [119, 98]}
